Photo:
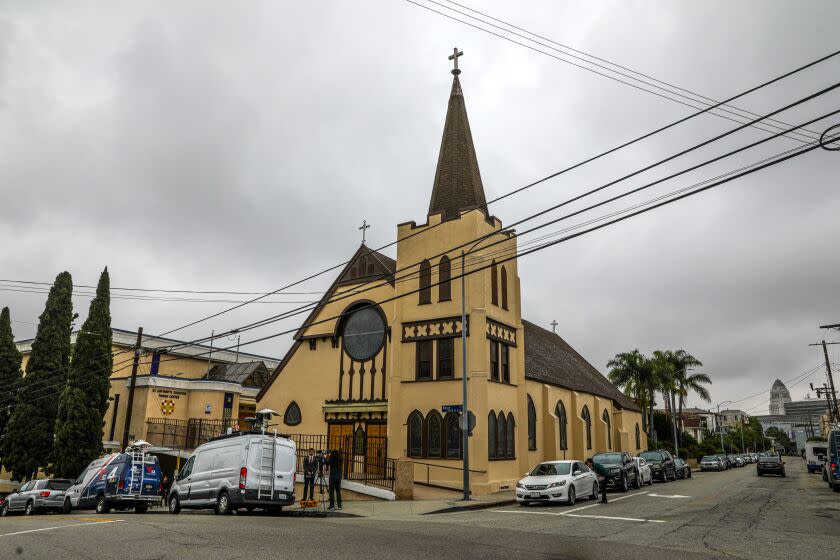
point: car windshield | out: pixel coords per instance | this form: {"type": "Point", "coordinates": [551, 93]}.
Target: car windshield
{"type": "Point", "coordinates": [607, 458]}
{"type": "Point", "coordinates": [770, 460]}
{"type": "Point", "coordinates": [551, 469]}
{"type": "Point", "coordinates": [651, 455]}
{"type": "Point", "coordinates": [678, 462]}
{"type": "Point", "coordinates": [59, 484]}
{"type": "Point", "coordinates": [708, 458]}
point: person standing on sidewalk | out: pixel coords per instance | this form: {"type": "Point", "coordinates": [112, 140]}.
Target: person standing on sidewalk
{"type": "Point", "coordinates": [310, 470]}
{"type": "Point", "coordinates": [603, 474]}
{"type": "Point", "coordinates": [336, 474]}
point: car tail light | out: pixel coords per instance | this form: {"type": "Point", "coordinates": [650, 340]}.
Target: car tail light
{"type": "Point", "coordinates": [45, 493]}
{"type": "Point", "coordinates": [243, 474]}
{"type": "Point", "coordinates": [121, 485]}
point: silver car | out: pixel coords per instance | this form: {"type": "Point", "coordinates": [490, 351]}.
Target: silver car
{"type": "Point", "coordinates": [36, 496]}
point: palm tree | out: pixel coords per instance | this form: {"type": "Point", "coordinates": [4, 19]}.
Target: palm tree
{"type": "Point", "coordinates": [685, 382]}
{"type": "Point", "coordinates": [631, 371]}
{"type": "Point", "coordinates": [664, 365]}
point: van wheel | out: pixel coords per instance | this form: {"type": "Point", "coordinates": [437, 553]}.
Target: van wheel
{"type": "Point", "coordinates": [67, 507]}
{"type": "Point", "coordinates": [174, 504]}
{"type": "Point", "coordinates": [141, 508]}
{"type": "Point", "coordinates": [223, 504]}
{"type": "Point", "coordinates": [102, 506]}
{"type": "Point", "coordinates": [30, 509]}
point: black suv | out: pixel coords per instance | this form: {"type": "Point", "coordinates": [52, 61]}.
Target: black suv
{"type": "Point", "coordinates": [661, 464]}
{"type": "Point", "coordinates": [622, 470]}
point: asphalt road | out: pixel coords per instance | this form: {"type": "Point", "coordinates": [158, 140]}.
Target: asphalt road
{"type": "Point", "coordinates": [714, 515]}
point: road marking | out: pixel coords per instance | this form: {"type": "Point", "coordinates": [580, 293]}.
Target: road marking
{"type": "Point", "coordinates": [616, 518]}
{"type": "Point", "coordinates": [525, 511]}
{"type": "Point", "coordinates": [58, 527]}
{"type": "Point", "coordinates": [666, 496]}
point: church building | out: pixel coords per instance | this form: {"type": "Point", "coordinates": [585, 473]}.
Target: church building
{"type": "Point", "coordinates": [378, 362]}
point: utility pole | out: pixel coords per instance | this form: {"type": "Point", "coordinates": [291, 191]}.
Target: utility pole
{"type": "Point", "coordinates": [464, 410]}
{"type": "Point", "coordinates": [131, 385]}
{"type": "Point", "coordinates": [833, 411]}
{"type": "Point", "coordinates": [720, 426]}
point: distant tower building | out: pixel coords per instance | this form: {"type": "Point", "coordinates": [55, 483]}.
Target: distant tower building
{"type": "Point", "coordinates": [779, 395]}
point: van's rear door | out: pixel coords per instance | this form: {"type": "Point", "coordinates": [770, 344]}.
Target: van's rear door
{"type": "Point", "coordinates": [261, 475]}
{"type": "Point", "coordinates": [285, 465]}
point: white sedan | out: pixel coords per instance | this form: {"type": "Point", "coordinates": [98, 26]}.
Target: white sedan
{"type": "Point", "coordinates": [644, 471]}
{"type": "Point", "coordinates": [557, 481]}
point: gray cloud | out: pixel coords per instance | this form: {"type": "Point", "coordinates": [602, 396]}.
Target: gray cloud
{"type": "Point", "coordinates": [207, 146]}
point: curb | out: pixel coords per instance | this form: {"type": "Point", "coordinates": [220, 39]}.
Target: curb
{"type": "Point", "coordinates": [472, 507]}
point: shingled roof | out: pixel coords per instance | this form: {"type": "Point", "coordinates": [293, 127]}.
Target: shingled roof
{"type": "Point", "coordinates": [457, 184]}
{"type": "Point", "coordinates": [550, 359]}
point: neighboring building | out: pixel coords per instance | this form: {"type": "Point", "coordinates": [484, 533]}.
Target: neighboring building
{"type": "Point", "coordinates": [733, 418]}
{"type": "Point", "coordinates": [698, 422]}
{"type": "Point", "coordinates": [184, 393]}
{"type": "Point", "coordinates": [798, 419]}
{"type": "Point", "coordinates": [387, 372]}
{"type": "Point", "coordinates": [779, 396]}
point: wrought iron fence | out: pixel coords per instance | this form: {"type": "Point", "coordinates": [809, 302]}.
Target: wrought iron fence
{"type": "Point", "coordinates": [184, 434]}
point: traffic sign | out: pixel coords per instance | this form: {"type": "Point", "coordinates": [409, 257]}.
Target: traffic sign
{"type": "Point", "coordinates": [451, 408]}
{"type": "Point", "coordinates": [470, 418]}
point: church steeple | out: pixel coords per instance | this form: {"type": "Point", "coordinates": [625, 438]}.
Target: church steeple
{"type": "Point", "coordinates": [457, 184]}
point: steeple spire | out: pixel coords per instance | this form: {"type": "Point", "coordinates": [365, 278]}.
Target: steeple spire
{"type": "Point", "coordinates": [457, 184]}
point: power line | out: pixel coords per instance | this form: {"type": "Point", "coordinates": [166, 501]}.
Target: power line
{"type": "Point", "coordinates": [588, 62]}
{"type": "Point", "coordinates": [387, 278]}
{"type": "Point", "coordinates": [527, 186]}
{"type": "Point", "coordinates": [590, 55]}
{"type": "Point", "coordinates": [29, 290]}
{"type": "Point", "coordinates": [163, 290]}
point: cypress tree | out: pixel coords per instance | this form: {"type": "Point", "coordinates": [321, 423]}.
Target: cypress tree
{"type": "Point", "coordinates": [28, 443]}
{"type": "Point", "coordinates": [84, 401]}
{"type": "Point", "coordinates": [10, 374]}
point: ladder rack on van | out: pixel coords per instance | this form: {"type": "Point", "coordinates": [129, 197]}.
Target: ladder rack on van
{"type": "Point", "coordinates": [267, 462]}
{"type": "Point", "coordinates": [138, 460]}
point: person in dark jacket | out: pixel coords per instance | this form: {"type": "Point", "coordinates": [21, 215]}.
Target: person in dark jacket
{"type": "Point", "coordinates": [311, 463]}
{"type": "Point", "coordinates": [336, 474]}
{"type": "Point", "coordinates": [603, 474]}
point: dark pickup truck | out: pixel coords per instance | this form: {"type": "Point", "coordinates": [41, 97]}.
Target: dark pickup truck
{"type": "Point", "coordinates": [622, 469]}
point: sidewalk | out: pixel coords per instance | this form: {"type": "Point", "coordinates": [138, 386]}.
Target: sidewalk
{"type": "Point", "coordinates": [410, 508]}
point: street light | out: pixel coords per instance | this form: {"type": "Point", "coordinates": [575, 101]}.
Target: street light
{"type": "Point", "coordinates": [720, 427]}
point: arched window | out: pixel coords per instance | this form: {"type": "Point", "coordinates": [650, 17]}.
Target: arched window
{"type": "Point", "coordinates": [433, 434]}
{"type": "Point", "coordinates": [359, 441]}
{"type": "Point", "coordinates": [494, 284]}
{"type": "Point", "coordinates": [564, 425]}
{"type": "Point", "coordinates": [606, 417]}
{"type": "Point", "coordinates": [502, 435]}
{"type": "Point", "coordinates": [638, 437]}
{"type": "Point", "coordinates": [425, 282]}
{"type": "Point", "coordinates": [444, 286]}
{"type": "Point", "coordinates": [504, 288]}
{"type": "Point", "coordinates": [587, 421]}
{"type": "Point", "coordinates": [492, 435]}
{"type": "Point", "coordinates": [453, 436]}
{"type": "Point", "coordinates": [532, 424]}
{"type": "Point", "coordinates": [415, 434]}
{"type": "Point", "coordinates": [292, 415]}
{"type": "Point", "coordinates": [510, 443]}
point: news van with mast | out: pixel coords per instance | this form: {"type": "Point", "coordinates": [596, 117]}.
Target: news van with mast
{"type": "Point", "coordinates": [249, 469]}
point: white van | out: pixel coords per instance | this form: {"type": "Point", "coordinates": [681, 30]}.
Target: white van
{"type": "Point", "coordinates": [250, 470]}
{"type": "Point", "coordinates": [816, 454]}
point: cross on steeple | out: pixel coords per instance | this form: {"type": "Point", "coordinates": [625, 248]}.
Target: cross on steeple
{"type": "Point", "coordinates": [554, 326]}
{"type": "Point", "coordinates": [454, 57]}
{"type": "Point", "coordinates": [364, 227]}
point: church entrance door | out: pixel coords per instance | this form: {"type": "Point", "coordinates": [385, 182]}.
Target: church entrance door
{"type": "Point", "coordinates": [377, 445]}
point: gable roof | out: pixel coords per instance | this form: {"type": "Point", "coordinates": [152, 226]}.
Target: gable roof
{"type": "Point", "coordinates": [457, 184]}
{"type": "Point", "coordinates": [366, 265]}
{"type": "Point", "coordinates": [247, 374]}
{"type": "Point", "coordinates": [550, 359]}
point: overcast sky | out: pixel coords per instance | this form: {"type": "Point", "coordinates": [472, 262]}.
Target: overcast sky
{"type": "Point", "coordinates": [238, 146]}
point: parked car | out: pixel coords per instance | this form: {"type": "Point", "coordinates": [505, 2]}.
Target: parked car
{"type": "Point", "coordinates": [645, 474]}
{"type": "Point", "coordinates": [770, 465]}
{"type": "Point", "coordinates": [661, 464]}
{"type": "Point", "coordinates": [622, 469]}
{"type": "Point", "coordinates": [119, 480]}
{"type": "Point", "coordinates": [736, 460]}
{"type": "Point", "coordinates": [711, 463]}
{"type": "Point", "coordinates": [683, 470]}
{"type": "Point", "coordinates": [557, 481]}
{"type": "Point", "coordinates": [241, 470]}
{"type": "Point", "coordinates": [727, 462]}
{"type": "Point", "coordinates": [36, 496]}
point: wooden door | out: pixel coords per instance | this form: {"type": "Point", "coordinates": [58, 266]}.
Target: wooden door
{"type": "Point", "coordinates": [376, 448]}
{"type": "Point", "coordinates": [341, 437]}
